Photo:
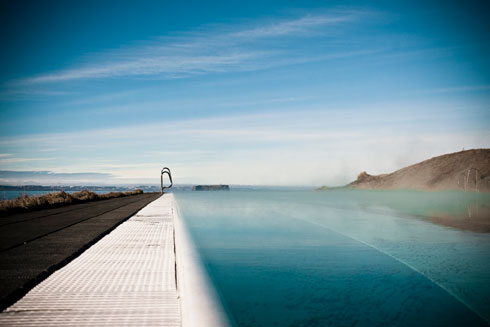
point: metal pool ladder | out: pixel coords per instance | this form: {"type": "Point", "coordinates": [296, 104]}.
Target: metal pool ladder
{"type": "Point", "coordinates": [166, 170]}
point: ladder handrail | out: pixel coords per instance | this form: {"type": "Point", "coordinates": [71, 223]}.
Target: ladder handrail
{"type": "Point", "coordinates": [166, 170]}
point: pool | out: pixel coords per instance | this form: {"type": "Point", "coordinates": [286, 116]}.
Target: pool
{"type": "Point", "coordinates": [341, 258]}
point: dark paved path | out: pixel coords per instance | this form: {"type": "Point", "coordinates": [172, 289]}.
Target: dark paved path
{"type": "Point", "coordinates": [35, 244]}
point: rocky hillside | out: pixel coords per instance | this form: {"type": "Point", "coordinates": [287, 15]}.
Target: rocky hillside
{"type": "Point", "coordinates": [466, 170]}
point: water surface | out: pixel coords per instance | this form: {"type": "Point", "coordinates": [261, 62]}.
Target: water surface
{"type": "Point", "coordinates": [341, 258]}
{"type": "Point", "coordinates": [8, 195]}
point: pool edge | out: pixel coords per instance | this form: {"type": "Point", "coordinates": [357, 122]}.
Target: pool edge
{"type": "Point", "coordinates": [200, 304]}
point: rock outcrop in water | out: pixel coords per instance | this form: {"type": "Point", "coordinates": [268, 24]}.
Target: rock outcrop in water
{"type": "Point", "coordinates": [211, 188]}
{"type": "Point", "coordinates": [466, 170]}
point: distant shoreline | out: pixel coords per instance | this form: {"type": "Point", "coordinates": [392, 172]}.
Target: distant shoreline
{"type": "Point", "coordinates": [76, 188]}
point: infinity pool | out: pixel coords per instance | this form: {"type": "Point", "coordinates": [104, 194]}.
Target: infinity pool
{"type": "Point", "coordinates": [341, 258]}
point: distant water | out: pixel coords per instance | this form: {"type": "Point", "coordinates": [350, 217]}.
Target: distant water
{"type": "Point", "coordinates": [342, 258]}
{"type": "Point", "coordinates": [6, 195]}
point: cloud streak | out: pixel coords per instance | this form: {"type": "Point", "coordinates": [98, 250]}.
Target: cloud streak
{"type": "Point", "coordinates": [170, 66]}
{"type": "Point", "coordinates": [323, 146]}
{"type": "Point", "coordinates": [468, 88]}
{"type": "Point", "coordinates": [300, 26]}
{"type": "Point", "coordinates": [14, 160]}
{"type": "Point", "coordinates": [12, 177]}
{"type": "Point", "coordinates": [225, 49]}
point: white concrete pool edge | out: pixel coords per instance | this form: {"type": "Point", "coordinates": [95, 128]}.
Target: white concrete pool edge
{"type": "Point", "coordinates": [200, 304]}
{"type": "Point", "coordinates": [145, 272]}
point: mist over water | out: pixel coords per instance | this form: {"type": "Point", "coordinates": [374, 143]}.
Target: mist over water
{"type": "Point", "coordinates": [344, 257]}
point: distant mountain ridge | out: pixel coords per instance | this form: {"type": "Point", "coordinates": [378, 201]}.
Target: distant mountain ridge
{"type": "Point", "coordinates": [465, 170]}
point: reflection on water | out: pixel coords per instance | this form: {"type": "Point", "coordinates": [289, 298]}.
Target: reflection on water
{"type": "Point", "coordinates": [339, 258]}
{"type": "Point", "coordinates": [463, 210]}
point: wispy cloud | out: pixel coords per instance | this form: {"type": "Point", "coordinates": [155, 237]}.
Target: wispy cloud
{"type": "Point", "coordinates": [300, 26]}
{"type": "Point", "coordinates": [51, 178]}
{"type": "Point", "coordinates": [330, 146]}
{"type": "Point", "coordinates": [295, 124]}
{"type": "Point", "coordinates": [222, 49]}
{"type": "Point", "coordinates": [32, 91]}
{"type": "Point", "coordinates": [467, 88]}
{"type": "Point", "coordinates": [13, 160]}
{"type": "Point", "coordinates": [170, 66]}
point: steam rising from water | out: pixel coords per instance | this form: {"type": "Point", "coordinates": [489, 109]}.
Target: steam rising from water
{"type": "Point", "coordinates": [397, 224]}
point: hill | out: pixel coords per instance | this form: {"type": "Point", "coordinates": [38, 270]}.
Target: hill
{"type": "Point", "coordinates": [466, 170]}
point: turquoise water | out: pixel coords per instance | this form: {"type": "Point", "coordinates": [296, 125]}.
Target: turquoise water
{"type": "Point", "coordinates": [342, 258]}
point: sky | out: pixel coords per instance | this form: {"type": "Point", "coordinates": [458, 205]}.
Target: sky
{"type": "Point", "coordinates": [287, 93]}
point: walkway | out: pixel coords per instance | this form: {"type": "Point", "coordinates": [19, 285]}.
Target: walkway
{"type": "Point", "coordinates": [128, 278]}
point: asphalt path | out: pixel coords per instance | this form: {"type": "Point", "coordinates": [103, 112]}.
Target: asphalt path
{"type": "Point", "coordinates": [33, 245]}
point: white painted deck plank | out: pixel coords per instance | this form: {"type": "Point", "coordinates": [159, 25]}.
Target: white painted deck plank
{"type": "Point", "coordinates": [125, 279]}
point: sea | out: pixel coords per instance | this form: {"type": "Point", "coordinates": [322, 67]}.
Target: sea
{"type": "Point", "coordinates": [344, 257]}
{"type": "Point", "coordinates": [8, 195]}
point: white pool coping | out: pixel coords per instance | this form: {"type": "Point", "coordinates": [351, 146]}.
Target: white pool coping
{"type": "Point", "coordinates": [200, 303]}
{"type": "Point", "coordinates": [146, 272]}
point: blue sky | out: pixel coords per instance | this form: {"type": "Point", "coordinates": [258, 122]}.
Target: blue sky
{"type": "Point", "coordinates": [261, 93]}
